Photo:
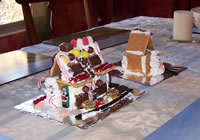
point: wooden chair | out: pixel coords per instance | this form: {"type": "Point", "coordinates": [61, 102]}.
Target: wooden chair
{"type": "Point", "coordinates": [90, 13]}
{"type": "Point", "coordinates": [28, 20]}
{"type": "Point", "coordinates": [62, 23]}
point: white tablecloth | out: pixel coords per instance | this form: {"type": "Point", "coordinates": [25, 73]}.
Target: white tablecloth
{"type": "Point", "coordinates": [135, 121]}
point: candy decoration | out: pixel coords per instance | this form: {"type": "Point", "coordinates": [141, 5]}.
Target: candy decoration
{"type": "Point", "coordinates": [138, 29]}
{"type": "Point", "coordinates": [66, 97]}
{"type": "Point", "coordinates": [99, 103]}
{"type": "Point", "coordinates": [85, 54]}
{"type": "Point", "coordinates": [112, 93]}
{"type": "Point", "coordinates": [85, 89]}
{"type": "Point", "coordinates": [76, 52]}
{"type": "Point", "coordinates": [79, 78]}
{"type": "Point", "coordinates": [79, 43]}
{"type": "Point", "coordinates": [90, 94]}
{"type": "Point", "coordinates": [74, 43]}
{"type": "Point", "coordinates": [93, 85]}
{"type": "Point", "coordinates": [99, 83]}
{"type": "Point", "coordinates": [39, 100]}
{"type": "Point", "coordinates": [40, 81]}
{"type": "Point", "coordinates": [90, 50]}
{"type": "Point", "coordinates": [85, 41]}
{"type": "Point", "coordinates": [71, 56]}
{"type": "Point", "coordinates": [84, 61]}
{"type": "Point", "coordinates": [62, 68]}
{"type": "Point", "coordinates": [103, 67]}
{"type": "Point", "coordinates": [66, 47]}
{"type": "Point", "coordinates": [65, 59]}
{"type": "Point", "coordinates": [88, 104]}
{"type": "Point", "coordinates": [98, 51]}
{"type": "Point", "coordinates": [90, 40]}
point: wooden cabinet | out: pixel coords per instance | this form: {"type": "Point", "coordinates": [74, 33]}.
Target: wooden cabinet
{"type": "Point", "coordinates": [158, 8]}
{"type": "Point", "coordinates": [68, 16]}
{"type": "Point", "coordinates": [195, 3]}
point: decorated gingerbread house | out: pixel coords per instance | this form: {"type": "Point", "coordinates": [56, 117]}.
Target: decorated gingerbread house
{"type": "Point", "coordinates": [140, 57]}
{"type": "Point", "coordinates": [79, 88]}
{"type": "Point", "coordinates": [78, 73]}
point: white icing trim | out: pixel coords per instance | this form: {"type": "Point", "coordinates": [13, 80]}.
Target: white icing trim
{"type": "Point", "coordinates": [72, 98]}
{"type": "Point", "coordinates": [124, 62]}
{"type": "Point", "coordinates": [156, 79]}
{"type": "Point", "coordinates": [79, 44]}
{"type": "Point", "coordinates": [90, 40]}
{"type": "Point", "coordinates": [128, 72]}
{"type": "Point", "coordinates": [143, 63]}
{"type": "Point", "coordinates": [135, 52]}
{"type": "Point", "coordinates": [143, 80]}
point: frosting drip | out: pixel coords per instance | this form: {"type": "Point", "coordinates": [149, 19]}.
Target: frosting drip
{"type": "Point", "coordinates": [157, 67]}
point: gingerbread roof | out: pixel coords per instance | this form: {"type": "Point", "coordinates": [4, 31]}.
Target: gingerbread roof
{"type": "Point", "coordinates": [140, 41]}
{"type": "Point", "coordinates": [78, 62]}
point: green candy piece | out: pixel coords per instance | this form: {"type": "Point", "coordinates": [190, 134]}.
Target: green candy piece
{"type": "Point", "coordinates": [67, 91]}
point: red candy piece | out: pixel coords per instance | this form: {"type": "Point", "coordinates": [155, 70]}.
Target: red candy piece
{"type": "Point", "coordinates": [74, 43]}
{"type": "Point", "coordinates": [80, 78]}
{"type": "Point", "coordinates": [107, 67]}
{"type": "Point", "coordinates": [100, 67]}
{"type": "Point", "coordinates": [63, 97]}
{"type": "Point", "coordinates": [39, 100]}
{"type": "Point", "coordinates": [85, 41]}
{"type": "Point", "coordinates": [64, 102]}
{"type": "Point", "coordinates": [103, 67]}
{"type": "Point", "coordinates": [99, 103]}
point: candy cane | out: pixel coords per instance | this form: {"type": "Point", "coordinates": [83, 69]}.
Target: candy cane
{"type": "Point", "coordinates": [90, 40]}
{"type": "Point", "coordinates": [97, 47]}
{"type": "Point", "coordinates": [62, 54]}
{"type": "Point", "coordinates": [98, 51]}
{"type": "Point", "coordinates": [61, 66]}
{"type": "Point", "coordinates": [40, 81]}
{"type": "Point", "coordinates": [93, 85]}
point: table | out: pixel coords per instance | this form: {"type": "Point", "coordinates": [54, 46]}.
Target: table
{"type": "Point", "coordinates": [135, 121]}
